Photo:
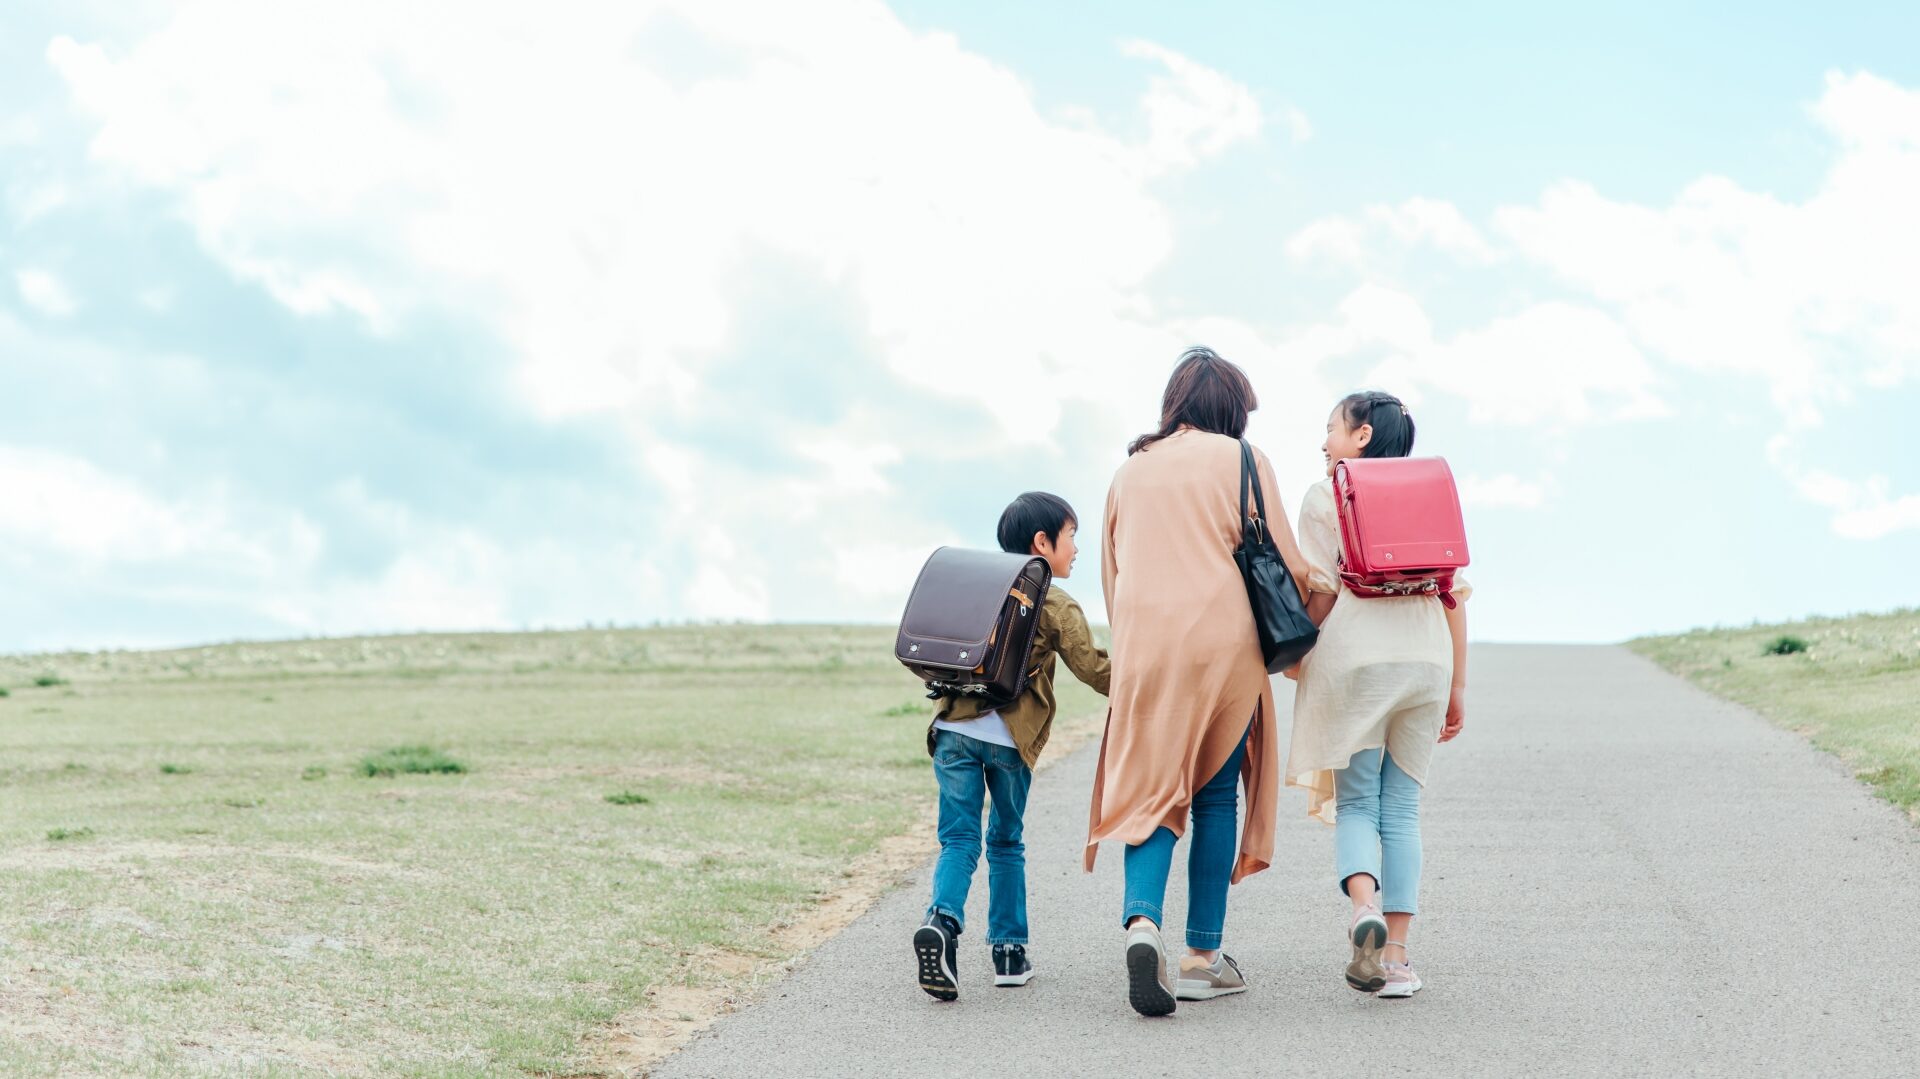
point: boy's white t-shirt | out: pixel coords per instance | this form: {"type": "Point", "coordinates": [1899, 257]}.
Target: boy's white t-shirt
{"type": "Point", "coordinates": [987, 727]}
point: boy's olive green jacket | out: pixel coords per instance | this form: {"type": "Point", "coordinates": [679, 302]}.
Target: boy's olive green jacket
{"type": "Point", "coordinates": [1062, 631]}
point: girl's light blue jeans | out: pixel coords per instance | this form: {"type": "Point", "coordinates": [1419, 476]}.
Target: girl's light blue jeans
{"type": "Point", "coordinates": [1209, 860]}
{"type": "Point", "coordinates": [1376, 829]}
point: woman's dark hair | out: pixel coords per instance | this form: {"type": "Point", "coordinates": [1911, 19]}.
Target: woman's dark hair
{"type": "Point", "coordinates": [1205, 392]}
{"type": "Point", "coordinates": [1392, 423]}
{"type": "Point", "coordinates": [1035, 511]}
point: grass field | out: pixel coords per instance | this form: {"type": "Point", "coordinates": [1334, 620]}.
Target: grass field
{"type": "Point", "coordinates": [1852, 685]}
{"type": "Point", "coordinates": [429, 855]}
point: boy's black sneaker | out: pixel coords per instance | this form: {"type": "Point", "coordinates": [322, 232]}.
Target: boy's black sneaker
{"type": "Point", "coordinates": [1010, 966]}
{"type": "Point", "coordinates": [935, 945]}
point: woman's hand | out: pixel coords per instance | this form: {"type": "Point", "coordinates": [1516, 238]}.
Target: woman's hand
{"type": "Point", "coordinates": [1456, 714]}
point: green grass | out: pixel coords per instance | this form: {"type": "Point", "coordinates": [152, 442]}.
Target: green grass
{"type": "Point", "coordinates": [274, 913]}
{"type": "Point", "coordinates": [628, 798]}
{"type": "Point", "coordinates": [1787, 645]}
{"type": "Point", "coordinates": [1849, 684]}
{"type": "Point", "coordinates": [410, 760]}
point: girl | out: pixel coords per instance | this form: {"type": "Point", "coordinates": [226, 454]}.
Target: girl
{"type": "Point", "coordinates": [1387, 680]}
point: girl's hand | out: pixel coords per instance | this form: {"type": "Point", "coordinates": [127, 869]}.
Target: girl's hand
{"type": "Point", "coordinates": [1456, 714]}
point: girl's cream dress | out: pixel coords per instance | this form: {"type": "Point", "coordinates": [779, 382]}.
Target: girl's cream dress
{"type": "Point", "coordinates": [1379, 675]}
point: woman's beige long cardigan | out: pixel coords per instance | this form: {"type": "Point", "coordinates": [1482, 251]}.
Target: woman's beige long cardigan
{"type": "Point", "coordinates": [1187, 673]}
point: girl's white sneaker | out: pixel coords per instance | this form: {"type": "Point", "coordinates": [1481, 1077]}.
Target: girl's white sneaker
{"type": "Point", "coordinates": [1401, 981]}
{"type": "Point", "coordinates": [1368, 935]}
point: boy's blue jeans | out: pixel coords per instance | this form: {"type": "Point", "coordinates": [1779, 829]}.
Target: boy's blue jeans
{"type": "Point", "coordinates": [1376, 828]}
{"type": "Point", "coordinates": [971, 772]}
{"type": "Point", "coordinates": [1209, 860]}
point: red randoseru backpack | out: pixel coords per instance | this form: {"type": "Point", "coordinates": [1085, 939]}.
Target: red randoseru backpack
{"type": "Point", "coordinates": [1401, 533]}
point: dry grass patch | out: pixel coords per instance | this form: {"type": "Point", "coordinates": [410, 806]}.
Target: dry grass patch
{"type": "Point", "coordinates": [273, 913]}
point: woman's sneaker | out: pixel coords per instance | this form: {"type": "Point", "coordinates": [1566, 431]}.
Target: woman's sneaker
{"type": "Point", "coordinates": [1148, 988]}
{"type": "Point", "coordinates": [1401, 981]}
{"type": "Point", "coordinates": [935, 946]}
{"type": "Point", "coordinates": [1368, 935]}
{"type": "Point", "coordinates": [1200, 980]}
{"type": "Point", "coordinates": [1010, 966]}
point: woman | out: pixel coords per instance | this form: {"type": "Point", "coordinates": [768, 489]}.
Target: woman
{"type": "Point", "coordinates": [1191, 707]}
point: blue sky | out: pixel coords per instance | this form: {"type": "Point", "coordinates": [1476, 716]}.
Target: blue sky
{"type": "Point", "coordinates": [354, 319]}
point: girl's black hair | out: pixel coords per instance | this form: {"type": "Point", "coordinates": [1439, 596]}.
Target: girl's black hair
{"type": "Point", "coordinates": [1392, 423]}
{"type": "Point", "coordinates": [1035, 511]}
{"type": "Point", "coordinates": [1206, 393]}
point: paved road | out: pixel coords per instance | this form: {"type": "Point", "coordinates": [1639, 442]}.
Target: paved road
{"type": "Point", "coordinates": [1625, 877]}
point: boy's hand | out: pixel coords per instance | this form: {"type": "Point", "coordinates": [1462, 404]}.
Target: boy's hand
{"type": "Point", "coordinates": [1456, 714]}
{"type": "Point", "coordinates": [1292, 672]}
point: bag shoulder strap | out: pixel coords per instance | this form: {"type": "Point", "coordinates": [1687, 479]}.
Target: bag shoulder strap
{"type": "Point", "coordinates": [1250, 476]}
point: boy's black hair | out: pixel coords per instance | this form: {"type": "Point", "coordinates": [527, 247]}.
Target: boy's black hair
{"type": "Point", "coordinates": [1035, 511]}
{"type": "Point", "coordinates": [1392, 423]}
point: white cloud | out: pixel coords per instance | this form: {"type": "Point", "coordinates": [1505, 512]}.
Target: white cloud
{"type": "Point", "coordinates": [1388, 316]}
{"type": "Point", "coordinates": [19, 129]}
{"type": "Point", "coordinates": [1813, 299]}
{"type": "Point", "coordinates": [45, 293]}
{"type": "Point", "coordinates": [850, 468]}
{"type": "Point", "coordinates": [1416, 222]}
{"type": "Point", "coordinates": [723, 587]}
{"type": "Point", "coordinates": [1298, 125]}
{"type": "Point", "coordinates": [459, 585]}
{"type": "Point", "coordinates": [598, 212]}
{"type": "Point", "coordinates": [1549, 364]}
{"type": "Point", "coordinates": [1863, 509]}
{"type": "Point", "coordinates": [595, 210]}
{"type": "Point", "coordinates": [1333, 239]}
{"type": "Point", "coordinates": [882, 571]}
{"type": "Point", "coordinates": [1879, 515]}
{"type": "Point", "coordinates": [65, 504]}
{"type": "Point", "coordinates": [75, 526]}
{"type": "Point", "coordinates": [29, 200]}
{"type": "Point", "coordinates": [1194, 112]}
{"type": "Point", "coordinates": [1505, 491]}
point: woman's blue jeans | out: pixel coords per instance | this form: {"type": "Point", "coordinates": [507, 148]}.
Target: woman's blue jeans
{"type": "Point", "coordinates": [1376, 829]}
{"type": "Point", "coordinates": [972, 772]}
{"type": "Point", "coordinates": [1209, 860]}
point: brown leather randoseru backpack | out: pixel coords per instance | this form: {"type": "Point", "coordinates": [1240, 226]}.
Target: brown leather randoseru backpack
{"type": "Point", "coordinates": [970, 620]}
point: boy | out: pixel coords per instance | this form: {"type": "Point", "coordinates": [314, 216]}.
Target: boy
{"type": "Point", "coordinates": [980, 753]}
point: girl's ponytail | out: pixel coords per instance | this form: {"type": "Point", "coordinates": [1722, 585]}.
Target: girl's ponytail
{"type": "Point", "coordinates": [1391, 422]}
